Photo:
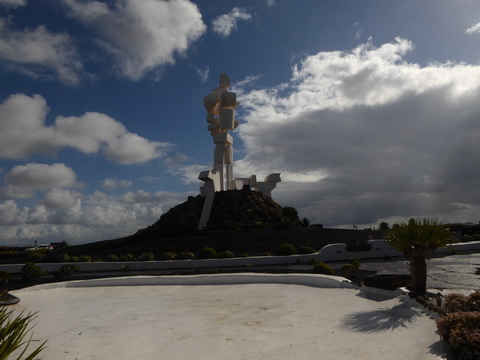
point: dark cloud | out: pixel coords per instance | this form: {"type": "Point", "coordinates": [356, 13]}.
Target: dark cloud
{"type": "Point", "coordinates": [388, 139]}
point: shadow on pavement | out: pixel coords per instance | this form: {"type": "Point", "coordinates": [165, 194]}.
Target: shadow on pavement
{"type": "Point", "coordinates": [379, 320]}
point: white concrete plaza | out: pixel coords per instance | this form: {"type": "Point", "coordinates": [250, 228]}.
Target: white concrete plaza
{"type": "Point", "coordinates": [239, 316]}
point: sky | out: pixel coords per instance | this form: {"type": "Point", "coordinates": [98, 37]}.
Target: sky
{"type": "Point", "coordinates": [368, 109]}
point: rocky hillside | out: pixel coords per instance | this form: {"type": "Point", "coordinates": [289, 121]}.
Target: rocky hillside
{"type": "Point", "coordinates": [232, 210]}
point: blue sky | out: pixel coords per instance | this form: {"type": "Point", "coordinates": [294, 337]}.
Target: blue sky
{"type": "Point", "coordinates": [369, 109]}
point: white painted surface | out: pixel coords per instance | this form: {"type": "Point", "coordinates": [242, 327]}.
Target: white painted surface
{"type": "Point", "coordinates": [242, 321]}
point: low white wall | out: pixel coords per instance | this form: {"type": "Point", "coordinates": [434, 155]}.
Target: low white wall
{"type": "Point", "coordinates": [312, 280]}
{"type": "Point", "coordinates": [332, 252]}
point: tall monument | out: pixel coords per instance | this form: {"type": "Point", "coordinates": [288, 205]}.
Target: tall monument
{"type": "Point", "coordinates": [220, 105]}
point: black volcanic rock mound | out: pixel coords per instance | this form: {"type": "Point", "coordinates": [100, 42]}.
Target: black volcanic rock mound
{"type": "Point", "coordinates": [232, 210]}
{"type": "Point", "coordinates": [179, 219]}
{"type": "Point", "coordinates": [246, 209]}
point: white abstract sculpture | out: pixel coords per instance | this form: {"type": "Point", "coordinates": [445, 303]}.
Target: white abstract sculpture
{"type": "Point", "coordinates": [220, 105]}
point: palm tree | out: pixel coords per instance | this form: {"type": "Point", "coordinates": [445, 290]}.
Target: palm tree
{"type": "Point", "coordinates": [418, 239]}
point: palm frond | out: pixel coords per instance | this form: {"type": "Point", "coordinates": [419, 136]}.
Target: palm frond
{"type": "Point", "coordinates": [426, 233]}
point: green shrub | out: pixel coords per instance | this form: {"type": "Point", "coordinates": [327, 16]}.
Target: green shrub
{"type": "Point", "coordinates": [74, 258]}
{"type": "Point", "coordinates": [168, 256]}
{"type": "Point", "coordinates": [85, 258]}
{"type": "Point", "coordinates": [63, 257]}
{"type": "Point", "coordinates": [285, 249]}
{"type": "Point", "coordinates": [125, 268]}
{"type": "Point", "coordinates": [226, 254]}
{"type": "Point", "coordinates": [14, 329]}
{"type": "Point", "coordinates": [267, 253]}
{"type": "Point", "coordinates": [452, 251]}
{"type": "Point", "coordinates": [5, 278]}
{"type": "Point", "coordinates": [36, 256]}
{"type": "Point", "coordinates": [66, 271]}
{"type": "Point", "coordinates": [352, 268]}
{"type": "Point", "coordinates": [322, 268]}
{"type": "Point", "coordinates": [31, 272]}
{"type": "Point", "coordinates": [126, 257]}
{"type": "Point", "coordinates": [257, 225]}
{"type": "Point", "coordinates": [208, 253]}
{"type": "Point", "coordinates": [306, 250]}
{"type": "Point", "coordinates": [290, 212]}
{"type": "Point", "coordinates": [112, 257]}
{"type": "Point", "coordinates": [244, 255]}
{"type": "Point", "coordinates": [147, 256]}
{"type": "Point", "coordinates": [231, 225]}
{"type": "Point", "coordinates": [461, 330]}
{"type": "Point", "coordinates": [9, 254]}
{"type": "Point", "coordinates": [186, 255]}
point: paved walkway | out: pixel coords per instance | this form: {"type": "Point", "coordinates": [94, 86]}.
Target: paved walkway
{"type": "Point", "coordinates": [454, 273]}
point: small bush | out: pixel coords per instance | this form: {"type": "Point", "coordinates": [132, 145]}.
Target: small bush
{"type": "Point", "coordinates": [457, 302]}
{"type": "Point", "coordinates": [112, 257]}
{"type": "Point", "coordinates": [226, 254]}
{"type": "Point", "coordinates": [5, 278]}
{"type": "Point", "coordinates": [267, 253]}
{"type": "Point", "coordinates": [231, 225]}
{"type": "Point", "coordinates": [168, 256]}
{"type": "Point", "coordinates": [306, 250]}
{"type": "Point", "coordinates": [31, 272]}
{"type": "Point", "coordinates": [74, 258]}
{"type": "Point", "coordinates": [244, 255]}
{"type": "Point", "coordinates": [147, 256]}
{"type": "Point", "coordinates": [65, 272]}
{"type": "Point", "coordinates": [63, 257]}
{"type": "Point", "coordinates": [36, 256]}
{"type": "Point", "coordinates": [186, 255]}
{"type": "Point", "coordinates": [257, 225]}
{"type": "Point", "coordinates": [285, 249]}
{"type": "Point", "coordinates": [452, 251]}
{"type": "Point", "coordinates": [352, 268]}
{"type": "Point", "coordinates": [462, 332]}
{"type": "Point", "coordinates": [126, 257]}
{"type": "Point", "coordinates": [85, 258]}
{"type": "Point", "coordinates": [9, 254]}
{"type": "Point", "coordinates": [322, 268]}
{"type": "Point", "coordinates": [208, 253]}
{"type": "Point", "coordinates": [290, 212]}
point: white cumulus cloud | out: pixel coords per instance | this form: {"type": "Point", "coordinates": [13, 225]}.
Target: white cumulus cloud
{"type": "Point", "coordinates": [41, 176]}
{"type": "Point", "coordinates": [38, 52]}
{"type": "Point", "coordinates": [365, 134]}
{"type": "Point", "coordinates": [270, 3]}
{"type": "Point", "coordinates": [60, 198]}
{"type": "Point", "coordinates": [224, 24]}
{"type": "Point", "coordinates": [63, 215]}
{"type": "Point", "coordinates": [141, 35]}
{"type": "Point", "coordinates": [13, 3]}
{"type": "Point", "coordinates": [23, 133]}
{"type": "Point", "coordinates": [114, 183]}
